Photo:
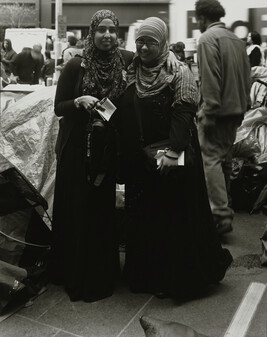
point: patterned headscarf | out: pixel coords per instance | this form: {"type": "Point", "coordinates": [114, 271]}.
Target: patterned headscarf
{"type": "Point", "coordinates": [103, 69]}
{"type": "Point", "coordinates": [150, 81]}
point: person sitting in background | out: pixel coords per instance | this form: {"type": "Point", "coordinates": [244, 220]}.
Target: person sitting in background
{"type": "Point", "coordinates": [48, 68]}
{"type": "Point", "coordinates": [254, 50]}
{"type": "Point", "coordinates": [8, 56]}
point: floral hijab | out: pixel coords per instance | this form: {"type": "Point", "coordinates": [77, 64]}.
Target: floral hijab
{"type": "Point", "coordinates": [103, 69]}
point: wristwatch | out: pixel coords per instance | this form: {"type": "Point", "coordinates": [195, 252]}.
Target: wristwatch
{"type": "Point", "coordinates": [77, 102]}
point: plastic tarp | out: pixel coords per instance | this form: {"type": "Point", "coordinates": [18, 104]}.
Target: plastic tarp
{"type": "Point", "coordinates": [258, 72]}
{"type": "Point", "coordinates": [11, 278]}
{"type": "Point", "coordinates": [28, 136]}
{"type": "Point", "coordinates": [251, 137]}
{"type": "Point", "coordinates": [250, 149]}
{"type": "Point", "coordinates": [24, 252]}
{"type": "Point", "coordinates": [28, 132]}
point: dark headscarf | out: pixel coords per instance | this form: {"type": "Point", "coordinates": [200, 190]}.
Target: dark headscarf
{"type": "Point", "coordinates": [9, 45]}
{"type": "Point", "coordinates": [103, 69]}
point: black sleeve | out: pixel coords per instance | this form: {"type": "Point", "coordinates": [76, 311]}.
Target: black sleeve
{"type": "Point", "coordinates": [255, 57]}
{"type": "Point", "coordinates": [65, 94]}
{"type": "Point", "coordinates": [181, 122]}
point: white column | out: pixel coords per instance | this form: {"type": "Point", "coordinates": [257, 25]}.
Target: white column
{"type": "Point", "coordinates": [58, 11]}
{"type": "Point", "coordinates": [172, 21]}
{"type": "Point", "coordinates": [178, 20]}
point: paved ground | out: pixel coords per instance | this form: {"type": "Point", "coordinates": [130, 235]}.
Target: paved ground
{"type": "Point", "coordinates": [52, 314]}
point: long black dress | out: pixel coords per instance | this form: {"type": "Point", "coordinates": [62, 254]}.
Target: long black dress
{"type": "Point", "coordinates": [255, 57]}
{"type": "Point", "coordinates": [84, 255]}
{"type": "Point", "coordinates": [171, 246]}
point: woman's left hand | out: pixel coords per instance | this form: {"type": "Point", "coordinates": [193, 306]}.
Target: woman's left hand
{"type": "Point", "coordinates": [88, 102]}
{"type": "Point", "coordinates": [172, 63]}
{"type": "Point", "coordinates": [166, 165]}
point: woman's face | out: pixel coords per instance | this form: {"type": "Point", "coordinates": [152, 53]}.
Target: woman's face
{"type": "Point", "coordinates": [106, 35]}
{"type": "Point", "coordinates": [5, 44]}
{"type": "Point", "coordinates": [147, 49]}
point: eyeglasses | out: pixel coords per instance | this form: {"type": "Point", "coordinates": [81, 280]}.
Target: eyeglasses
{"type": "Point", "coordinates": [140, 43]}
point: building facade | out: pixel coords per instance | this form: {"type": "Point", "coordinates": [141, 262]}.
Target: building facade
{"type": "Point", "coordinates": [241, 17]}
{"type": "Point", "coordinates": [79, 13]}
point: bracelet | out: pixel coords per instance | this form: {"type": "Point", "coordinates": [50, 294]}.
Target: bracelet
{"type": "Point", "coordinates": [76, 102]}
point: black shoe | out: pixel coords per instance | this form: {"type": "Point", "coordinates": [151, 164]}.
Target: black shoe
{"type": "Point", "coordinates": [161, 294]}
{"type": "Point", "coordinates": [225, 226]}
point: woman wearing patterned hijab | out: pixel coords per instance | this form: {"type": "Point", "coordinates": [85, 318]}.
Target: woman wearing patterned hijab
{"type": "Point", "coordinates": [172, 248]}
{"type": "Point", "coordinates": [85, 256]}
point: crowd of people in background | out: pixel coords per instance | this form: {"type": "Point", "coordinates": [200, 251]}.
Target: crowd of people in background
{"type": "Point", "coordinates": [34, 65]}
{"type": "Point", "coordinates": [175, 212]}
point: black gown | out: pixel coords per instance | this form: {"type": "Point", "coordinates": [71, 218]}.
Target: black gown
{"type": "Point", "coordinates": [172, 246]}
{"type": "Point", "coordinates": [255, 57]}
{"type": "Point", "coordinates": [84, 256]}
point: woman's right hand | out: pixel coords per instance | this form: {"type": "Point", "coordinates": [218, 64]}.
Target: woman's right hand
{"type": "Point", "coordinates": [166, 165]}
{"type": "Point", "coordinates": [88, 102]}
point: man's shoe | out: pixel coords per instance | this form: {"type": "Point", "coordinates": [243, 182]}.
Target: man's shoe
{"type": "Point", "coordinates": [161, 294]}
{"type": "Point", "coordinates": [225, 226]}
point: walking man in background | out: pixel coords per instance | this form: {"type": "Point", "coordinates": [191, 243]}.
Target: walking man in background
{"type": "Point", "coordinates": [224, 85]}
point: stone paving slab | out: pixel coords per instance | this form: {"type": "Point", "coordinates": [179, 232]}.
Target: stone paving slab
{"type": "Point", "coordinates": [105, 318]}
{"type": "Point", "coordinates": [16, 326]}
{"type": "Point", "coordinates": [53, 315]}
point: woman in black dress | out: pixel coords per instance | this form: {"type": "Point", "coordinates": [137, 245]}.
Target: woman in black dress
{"type": "Point", "coordinates": [85, 254]}
{"type": "Point", "coordinates": [172, 248]}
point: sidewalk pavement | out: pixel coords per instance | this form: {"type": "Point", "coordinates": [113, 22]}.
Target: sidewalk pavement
{"type": "Point", "coordinates": [53, 314]}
